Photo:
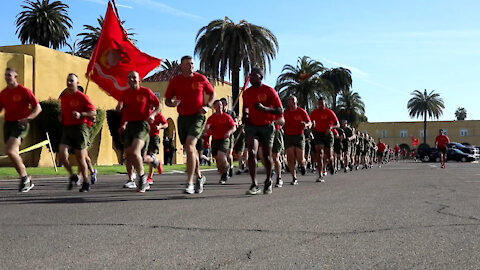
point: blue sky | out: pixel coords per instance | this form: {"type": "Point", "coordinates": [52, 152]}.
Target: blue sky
{"type": "Point", "coordinates": [391, 47]}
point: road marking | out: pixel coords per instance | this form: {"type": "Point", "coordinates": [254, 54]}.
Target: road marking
{"type": "Point", "coordinates": [473, 181]}
{"type": "Point", "coordinates": [433, 166]}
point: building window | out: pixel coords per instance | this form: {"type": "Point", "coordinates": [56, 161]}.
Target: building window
{"type": "Point", "coordinates": [445, 131]}
{"type": "Point", "coordinates": [403, 133]}
{"type": "Point", "coordinates": [463, 132]}
{"type": "Point", "coordinates": [384, 133]}
{"type": "Point", "coordinates": [421, 133]}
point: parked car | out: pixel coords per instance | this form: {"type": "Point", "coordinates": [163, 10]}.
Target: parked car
{"type": "Point", "coordinates": [432, 155]}
{"type": "Point", "coordinates": [468, 149]}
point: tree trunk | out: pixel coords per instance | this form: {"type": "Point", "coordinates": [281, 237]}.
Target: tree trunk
{"type": "Point", "coordinates": [235, 88]}
{"type": "Point", "coordinates": [425, 130]}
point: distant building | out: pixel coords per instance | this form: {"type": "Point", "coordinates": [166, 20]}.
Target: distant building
{"type": "Point", "coordinates": [401, 133]}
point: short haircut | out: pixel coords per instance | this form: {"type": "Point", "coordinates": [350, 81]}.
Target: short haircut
{"type": "Point", "coordinates": [217, 100]}
{"type": "Point", "coordinates": [11, 69]}
{"type": "Point", "coordinates": [223, 99]}
{"type": "Point", "coordinates": [186, 57]}
{"type": "Point", "coordinates": [72, 74]}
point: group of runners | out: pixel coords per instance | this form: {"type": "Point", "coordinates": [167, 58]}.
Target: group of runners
{"type": "Point", "coordinates": [266, 132]}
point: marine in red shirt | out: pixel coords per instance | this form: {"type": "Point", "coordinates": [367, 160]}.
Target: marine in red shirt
{"type": "Point", "coordinates": [140, 107]}
{"type": "Point", "coordinates": [76, 107]}
{"type": "Point", "coordinates": [324, 120]}
{"type": "Point", "coordinates": [21, 107]}
{"type": "Point", "coordinates": [261, 105]}
{"type": "Point", "coordinates": [153, 148]}
{"type": "Point", "coordinates": [296, 121]}
{"type": "Point", "coordinates": [186, 92]}
{"type": "Point", "coordinates": [222, 126]}
{"type": "Point", "coordinates": [441, 142]}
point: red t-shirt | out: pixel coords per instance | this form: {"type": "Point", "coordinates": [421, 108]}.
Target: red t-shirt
{"type": "Point", "coordinates": [381, 147]}
{"type": "Point", "coordinates": [70, 103]}
{"type": "Point", "coordinates": [397, 149]}
{"type": "Point", "coordinates": [189, 90]}
{"type": "Point", "coordinates": [323, 119]}
{"type": "Point", "coordinates": [159, 119]}
{"type": "Point", "coordinates": [293, 121]}
{"type": "Point", "coordinates": [137, 104]}
{"type": "Point", "coordinates": [265, 95]}
{"type": "Point", "coordinates": [16, 102]}
{"type": "Point", "coordinates": [442, 141]}
{"type": "Point", "coordinates": [219, 125]}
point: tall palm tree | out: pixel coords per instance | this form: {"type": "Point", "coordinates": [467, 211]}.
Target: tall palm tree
{"type": "Point", "coordinates": [423, 104]}
{"type": "Point", "coordinates": [302, 81]}
{"type": "Point", "coordinates": [44, 23]}
{"type": "Point", "coordinates": [461, 113]}
{"type": "Point", "coordinates": [340, 80]}
{"type": "Point", "coordinates": [224, 47]}
{"type": "Point", "coordinates": [351, 108]}
{"type": "Point", "coordinates": [91, 36]}
{"type": "Point", "coordinates": [167, 65]}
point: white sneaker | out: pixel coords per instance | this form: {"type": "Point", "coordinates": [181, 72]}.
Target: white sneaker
{"type": "Point", "coordinates": [199, 185]}
{"type": "Point", "coordinates": [130, 184]}
{"type": "Point", "coordinates": [190, 189]}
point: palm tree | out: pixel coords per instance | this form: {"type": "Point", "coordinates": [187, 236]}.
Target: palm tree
{"type": "Point", "coordinates": [302, 81]}
{"type": "Point", "coordinates": [351, 108]}
{"type": "Point", "coordinates": [44, 23]}
{"type": "Point", "coordinates": [224, 47]}
{"type": "Point", "coordinates": [423, 104]}
{"type": "Point", "coordinates": [461, 113]}
{"type": "Point", "coordinates": [91, 36]}
{"type": "Point", "coordinates": [167, 65]}
{"type": "Point", "coordinates": [340, 80]}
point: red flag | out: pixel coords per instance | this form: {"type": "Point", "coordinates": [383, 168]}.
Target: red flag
{"type": "Point", "coordinates": [415, 142]}
{"type": "Point", "coordinates": [115, 56]}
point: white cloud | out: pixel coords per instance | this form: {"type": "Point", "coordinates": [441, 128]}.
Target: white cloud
{"type": "Point", "coordinates": [355, 71]}
{"type": "Point", "coordinates": [166, 9]}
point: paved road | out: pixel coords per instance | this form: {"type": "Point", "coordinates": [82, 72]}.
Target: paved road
{"type": "Point", "coordinates": [402, 216]}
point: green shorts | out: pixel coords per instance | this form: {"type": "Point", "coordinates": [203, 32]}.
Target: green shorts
{"type": "Point", "coordinates": [239, 144]}
{"type": "Point", "coordinates": [297, 141]}
{"type": "Point", "coordinates": [320, 138]}
{"type": "Point", "coordinates": [231, 142]}
{"type": "Point", "coordinates": [219, 145]}
{"type": "Point", "coordinates": [76, 136]}
{"type": "Point", "coordinates": [265, 134]}
{"type": "Point", "coordinates": [277, 142]}
{"type": "Point", "coordinates": [191, 125]}
{"type": "Point", "coordinates": [13, 129]}
{"type": "Point", "coordinates": [154, 145]}
{"type": "Point", "coordinates": [136, 130]}
{"type": "Point", "coordinates": [337, 146]}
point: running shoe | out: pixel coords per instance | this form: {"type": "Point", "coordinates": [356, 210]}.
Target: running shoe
{"type": "Point", "coordinates": [345, 170]}
{"type": "Point", "coordinates": [85, 187]}
{"type": "Point", "coordinates": [149, 181]}
{"type": "Point", "coordinates": [143, 183]}
{"type": "Point", "coordinates": [267, 188]}
{"type": "Point", "coordinates": [223, 179]}
{"type": "Point", "coordinates": [199, 184]}
{"type": "Point", "coordinates": [303, 170]}
{"type": "Point", "coordinates": [294, 182]}
{"type": "Point", "coordinates": [25, 184]}
{"type": "Point", "coordinates": [279, 183]}
{"type": "Point", "coordinates": [332, 170]}
{"type": "Point", "coordinates": [253, 190]}
{"type": "Point", "coordinates": [73, 180]}
{"type": "Point", "coordinates": [130, 184]}
{"type": "Point", "coordinates": [321, 179]}
{"type": "Point", "coordinates": [230, 172]}
{"type": "Point", "coordinates": [93, 178]}
{"type": "Point", "coordinates": [190, 189]}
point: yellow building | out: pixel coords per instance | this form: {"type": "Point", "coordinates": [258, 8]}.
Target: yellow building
{"type": "Point", "coordinates": [44, 71]}
{"type": "Point", "coordinates": [392, 133]}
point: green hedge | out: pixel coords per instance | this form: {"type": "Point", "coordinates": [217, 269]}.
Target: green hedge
{"type": "Point", "coordinates": [47, 121]}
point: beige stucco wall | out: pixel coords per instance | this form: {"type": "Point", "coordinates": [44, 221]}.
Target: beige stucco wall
{"type": "Point", "coordinates": [44, 71]}
{"type": "Point", "coordinates": [413, 129]}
